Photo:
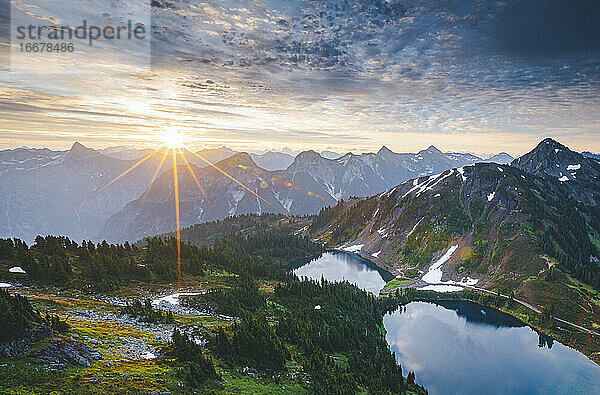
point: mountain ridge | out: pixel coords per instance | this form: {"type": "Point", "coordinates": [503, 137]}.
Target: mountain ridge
{"type": "Point", "coordinates": [307, 184]}
{"type": "Point", "coordinates": [504, 228]}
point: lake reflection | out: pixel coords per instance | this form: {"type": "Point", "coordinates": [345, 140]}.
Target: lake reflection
{"type": "Point", "coordinates": [463, 347]}
{"type": "Point", "coordinates": [483, 351]}
{"type": "Point", "coordinates": [339, 266]}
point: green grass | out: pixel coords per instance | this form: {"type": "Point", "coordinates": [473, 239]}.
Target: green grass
{"type": "Point", "coordinates": [21, 376]}
{"type": "Point", "coordinates": [397, 282]}
{"type": "Point", "coordinates": [412, 273]}
{"type": "Point", "coordinates": [242, 383]}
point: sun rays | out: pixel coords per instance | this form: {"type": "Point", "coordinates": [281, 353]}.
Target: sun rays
{"type": "Point", "coordinates": [173, 138]}
{"type": "Point", "coordinates": [175, 147]}
{"type": "Point", "coordinates": [187, 164]}
{"type": "Point", "coordinates": [238, 182]}
{"type": "Point", "coordinates": [178, 224]}
{"type": "Point", "coordinates": [145, 158]}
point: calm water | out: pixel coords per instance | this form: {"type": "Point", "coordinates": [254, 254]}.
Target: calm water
{"type": "Point", "coordinates": [339, 266]}
{"type": "Point", "coordinates": [465, 348]}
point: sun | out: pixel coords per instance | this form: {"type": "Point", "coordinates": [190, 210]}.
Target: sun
{"type": "Point", "coordinates": [173, 138]}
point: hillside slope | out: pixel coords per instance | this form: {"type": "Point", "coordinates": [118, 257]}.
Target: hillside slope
{"type": "Point", "coordinates": [154, 212]}
{"type": "Point", "coordinates": [509, 229]}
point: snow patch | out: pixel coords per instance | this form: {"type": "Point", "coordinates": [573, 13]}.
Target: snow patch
{"type": "Point", "coordinates": [237, 196]}
{"type": "Point", "coordinates": [147, 355]}
{"type": "Point", "coordinates": [491, 196]}
{"type": "Point", "coordinates": [5, 285]}
{"type": "Point", "coordinates": [318, 307]}
{"type": "Point", "coordinates": [501, 170]}
{"type": "Point", "coordinates": [434, 275]}
{"type": "Point", "coordinates": [467, 281]}
{"type": "Point", "coordinates": [414, 227]}
{"type": "Point", "coordinates": [17, 269]}
{"type": "Point", "coordinates": [389, 193]}
{"type": "Point", "coordinates": [574, 167]}
{"type": "Point", "coordinates": [461, 171]}
{"type": "Point", "coordinates": [563, 178]}
{"type": "Point", "coordinates": [439, 180]}
{"type": "Point", "coordinates": [331, 191]}
{"type": "Point", "coordinates": [354, 248]}
{"type": "Point", "coordinates": [382, 232]}
{"type": "Point", "coordinates": [427, 184]}
{"type": "Point", "coordinates": [173, 298]}
{"type": "Point", "coordinates": [287, 203]}
{"type": "Point", "coordinates": [442, 288]}
{"type": "Point", "coordinates": [376, 254]}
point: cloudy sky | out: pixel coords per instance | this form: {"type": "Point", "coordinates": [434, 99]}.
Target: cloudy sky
{"type": "Point", "coordinates": [479, 76]}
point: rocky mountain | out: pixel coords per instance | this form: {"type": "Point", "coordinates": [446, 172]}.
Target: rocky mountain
{"type": "Point", "coordinates": [52, 191]}
{"type": "Point", "coordinates": [62, 192]}
{"type": "Point", "coordinates": [308, 184]}
{"type": "Point", "coordinates": [552, 158]}
{"type": "Point", "coordinates": [370, 173]}
{"type": "Point", "coordinates": [210, 154]}
{"type": "Point", "coordinates": [154, 212]}
{"type": "Point", "coordinates": [330, 154]}
{"type": "Point", "coordinates": [580, 174]}
{"type": "Point", "coordinates": [213, 155]}
{"type": "Point", "coordinates": [496, 226]}
{"type": "Point", "coordinates": [502, 158]}
{"type": "Point", "coordinates": [273, 160]}
{"type": "Point", "coordinates": [125, 153]}
{"type": "Point", "coordinates": [24, 158]}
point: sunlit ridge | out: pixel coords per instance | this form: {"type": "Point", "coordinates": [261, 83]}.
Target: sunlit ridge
{"type": "Point", "coordinates": [187, 163]}
{"type": "Point", "coordinates": [174, 138]}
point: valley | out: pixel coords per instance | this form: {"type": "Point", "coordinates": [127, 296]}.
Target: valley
{"type": "Point", "coordinates": [119, 318]}
{"type": "Point", "coordinates": [433, 332]}
{"type": "Point", "coordinates": [268, 302]}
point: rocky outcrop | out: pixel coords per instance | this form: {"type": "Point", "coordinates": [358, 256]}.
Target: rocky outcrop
{"type": "Point", "coordinates": [46, 346]}
{"type": "Point", "coordinates": [67, 351]}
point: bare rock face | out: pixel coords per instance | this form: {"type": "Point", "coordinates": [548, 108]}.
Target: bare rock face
{"type": "Point", "coordinates": [579, 173]}
{"type": "Point", "coordinates": [56, 349]}
{"type": "Point", "coordinates": [67, 351]}
{"type": "Point", "coordinates": [14, 348]}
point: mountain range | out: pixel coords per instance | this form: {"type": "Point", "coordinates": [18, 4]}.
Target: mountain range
{"type": "Point", "coordinates": [308, 184]}
{"type": "Point", "coordinates": [63, 192]}
{"type": "Point", "coordinates": [531, 228]}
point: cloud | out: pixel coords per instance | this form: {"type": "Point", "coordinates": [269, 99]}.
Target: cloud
{"type": "Point", "coordinates": [336, 72]}
{"type": "Point", "coordinates": [547, 28]}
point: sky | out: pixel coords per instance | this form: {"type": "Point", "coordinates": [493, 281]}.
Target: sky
{"type": "Point", "coordinates": [345, 75]}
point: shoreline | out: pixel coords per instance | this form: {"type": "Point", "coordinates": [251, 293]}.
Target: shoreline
{"type": "Point", "coordinates": [555, 333]}
{"type": "Point", "coordinates": [523, 311]}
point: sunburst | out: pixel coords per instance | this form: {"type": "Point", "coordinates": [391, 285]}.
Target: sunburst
{"type": "Point", "coordinates": [173, 138]}
{"type": "Point", "coordinates": [176, 141]}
